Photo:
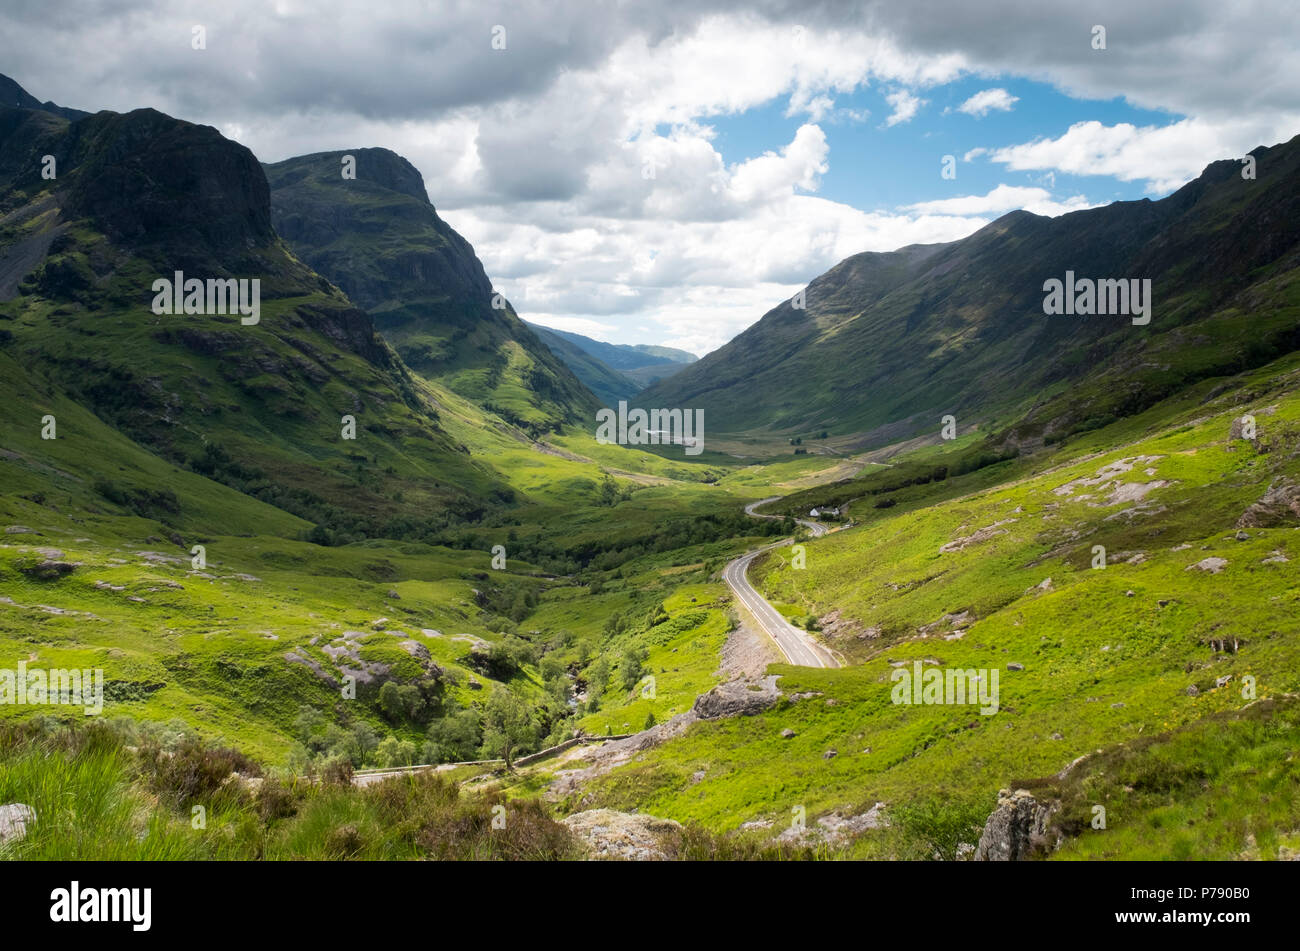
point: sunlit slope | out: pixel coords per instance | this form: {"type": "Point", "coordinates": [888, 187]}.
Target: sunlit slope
{"type": "Point", "coordinates": [1197, 596]}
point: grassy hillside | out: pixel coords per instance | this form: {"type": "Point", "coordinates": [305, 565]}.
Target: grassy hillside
{"type": "Point", "coordinates": [1195, 597]}
{"type": "Point", "coordinates": [323, 557]}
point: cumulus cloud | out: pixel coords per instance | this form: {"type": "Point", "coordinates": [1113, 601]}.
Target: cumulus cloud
{"type": "Point", "coordinates": [905, 106]}
{"type": "Point", "coordinates": [1163, 157]}
{"type": "Point", "coordinates": [988, 100]}
{"type": "Point", "coordinates": [999, 201]}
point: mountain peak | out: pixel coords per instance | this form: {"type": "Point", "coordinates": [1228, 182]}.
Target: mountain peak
{"type": "Point", "coordinates": [373, 166]}
{"type": "Point", "coordinates": [15, 96]}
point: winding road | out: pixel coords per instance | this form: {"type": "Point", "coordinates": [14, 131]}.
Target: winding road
{"type": "Point", "coordinates": [798, 646]}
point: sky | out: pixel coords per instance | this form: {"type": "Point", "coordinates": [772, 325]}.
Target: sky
{"type": "Point", "coordinates": [666, 172]}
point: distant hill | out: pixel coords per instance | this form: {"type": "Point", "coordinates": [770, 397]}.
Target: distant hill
{"type": "Point", "coordinates": [613, 371]}
{"type": "Point", "coordinates": [15, 96]}
{"type": "Point", "coordinates": [889, 343]}
{"type": "Point", "coordinates": [608, 384]}
{"type": "Point", "coordinates": [380, 239]}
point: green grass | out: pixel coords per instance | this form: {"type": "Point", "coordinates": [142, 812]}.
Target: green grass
{"type": "Point", "coordinates": [1110, 656]}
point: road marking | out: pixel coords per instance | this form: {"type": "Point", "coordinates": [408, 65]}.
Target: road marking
{"type": "Point", "coordinates": [799, 647]}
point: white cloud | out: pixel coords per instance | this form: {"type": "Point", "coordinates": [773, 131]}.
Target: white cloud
{"type": "Point", "coordinates": [702, 282]}
{"type": "Point", "coordinates": [773, 176]}
{"type": "Point", "coordinates": [988, 100]}
{"type": "Point", "coordinates": [905, 106]}
{"type": "Point", "coordinates": [575, 325]}
{"type": "Point", "coordinates": [538, 153]}
{"type": "Point", "coordinates": [999, 201]}
{"type": "Point", "coordinates": [1164, 157]}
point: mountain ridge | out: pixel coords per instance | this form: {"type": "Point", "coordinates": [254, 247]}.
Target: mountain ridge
{"type": "Point", "coordinates": [959, 328]}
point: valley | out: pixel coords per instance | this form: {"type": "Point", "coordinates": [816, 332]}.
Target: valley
{"type": "Point", "coordinates": [351, 551]}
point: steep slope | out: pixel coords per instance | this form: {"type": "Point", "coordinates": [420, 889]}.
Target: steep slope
{"type": "Point", "coordinates": [1129, 591]}
{"type": "Point", "coordinates": [888, 343]}
{"type": "Point", "coordinates": [379, 238]}
{"type": "Point", "coordinates": [257, 406]}
{"type": "Point", "coordinates": [15, 96]}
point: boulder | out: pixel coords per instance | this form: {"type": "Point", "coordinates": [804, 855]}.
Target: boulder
{"type": "Point", "coordinates": [609, 834]}
{"type": "Point", "coordinates": [48, 570]}
{"type": "Point", "coordinates": [1280, 505]}
{"type": "Point", "coordinates": [14, 818]}
{"type": "Point", "coordinates": [737, 698]}
{"type": "Point", "coordinates": [1020, 827]}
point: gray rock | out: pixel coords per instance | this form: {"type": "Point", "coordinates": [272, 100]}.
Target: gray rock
{"type": "Point", "coordinates": [737, 698]}
{"type": "Point", "coordinates": [1280, 505]}
{"type": "Point", "coordinates": [1014, 666]}
{"type": "Point", "coordinates": [1018, 828]}
{"type": "Point", "coordinates": [14, 818]}
{"type": "Point", "coordinates": [787, 733]}
{"type": "Point", "coordinates": [608, 834]}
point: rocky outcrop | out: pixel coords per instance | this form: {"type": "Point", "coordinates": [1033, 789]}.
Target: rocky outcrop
{"type": "Point", "coordinates": [48, 569]}
{"type": "Point", "coordinates": [14, 819]}
{"type": "Point", "coordinates": [1019, 828]}
{"type": "Point", "coordinates": [608, 834]}
{"type": "Point", "coordinates": [737, 698]}
{"type": "Point", "coordinates": [149, 179]}
{"type": "Point", "coordinates": [1280, 505]}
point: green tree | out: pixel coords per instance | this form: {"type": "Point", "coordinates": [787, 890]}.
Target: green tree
{"type": "Point", "coordinates": [609, 493]}
{"type": "Point", "coordinates": [394, 752]}
{"type": "Point", "coordinates": [507, 726]}
{"type": "Point", "coordinates": [630, 668]}
{"type": "Point", "coordinates": [390, 700]}
{"type": "Point", "coordinates": [456, 735]}
{"type": "Point", "coordinates": [597, 678]}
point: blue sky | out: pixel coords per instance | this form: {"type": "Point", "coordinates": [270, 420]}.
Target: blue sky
{"type": "Point", "coordinates": [874, 166]}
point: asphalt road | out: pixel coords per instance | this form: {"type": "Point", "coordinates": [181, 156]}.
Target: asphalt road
{"type": "Point", "coordinates": [798, 646]}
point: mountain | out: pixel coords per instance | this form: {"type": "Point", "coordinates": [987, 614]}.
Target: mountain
{"type": "Point", "coordinates": [608, 384]}
{"type": "Point", "coordinates": [15, 96]}
{"type": "Point", "coordinates": [613, 371]}
{"type": "Point", "coordinates": [889, 343]}
{"type": "Point", "coordinates": [378, 237]}
{"type": "Point", "coordinates": [258, 406]}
